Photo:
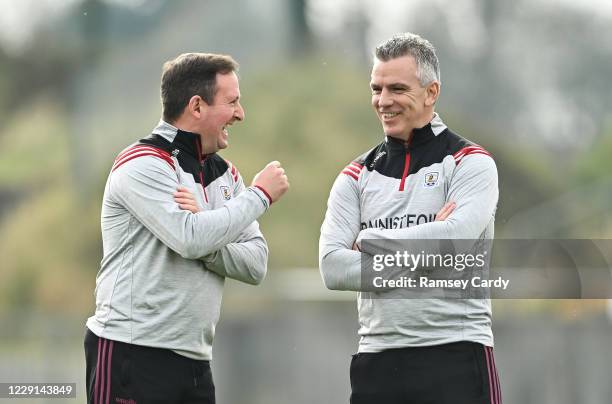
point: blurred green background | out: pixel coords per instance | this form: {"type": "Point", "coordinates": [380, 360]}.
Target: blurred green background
{"type": "Point", "coordinates": [79, 80]}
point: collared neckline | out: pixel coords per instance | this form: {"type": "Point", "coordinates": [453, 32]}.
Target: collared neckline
{"type": "Point", "coordinates": [420, 135]}
{"type": "Point", "coordinates": [186, 141]}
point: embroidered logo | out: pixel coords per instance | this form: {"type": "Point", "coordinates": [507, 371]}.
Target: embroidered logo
{"type": "Point", "coordinates": [431, 179]}
{"type": "Point", "coordinates": [175, 152]}
{"type": "Point", "coordinates": [225, 191]}
{"type": "Point", "coordinates": [378, 156]}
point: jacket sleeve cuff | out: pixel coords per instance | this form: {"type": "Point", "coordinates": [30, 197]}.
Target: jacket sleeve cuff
{"type": "Point", "coordinates": [267, 195]}
{"type": "Point", "coordinates": [262, 194]}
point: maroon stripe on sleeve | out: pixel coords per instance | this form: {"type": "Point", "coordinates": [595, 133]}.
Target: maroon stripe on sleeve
{"type": "Point", "coordinates": [467, 149]}
{"type": "Point", "coordinates": [134, 149]}
{"type": "Point", "coordinates": [458, 159]}
{"type": "Point", "coordinates": [353, 169]}
{"type": "Point", "coordinates": [161, 153]}
{"type": "Point", "coordinates": [350, 174]}
{"type": "Point", "coordinates": [233, 170]}
{"type": "Point", "coordinates": [144, 153]}
{"type": "Point", "coordinates": [473, 152]}
{"type": "Point", "coordinates": [265, 193]}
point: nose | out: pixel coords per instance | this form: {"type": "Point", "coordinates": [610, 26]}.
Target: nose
{"type": "Point", "coordinates": [384, 99]}
{"type": "Point", "coordinates": [239, 112]}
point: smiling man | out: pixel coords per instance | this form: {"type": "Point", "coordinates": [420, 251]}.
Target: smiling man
{"type": "Point", "coordinates": [177, 220]}
{"type": "Point", "coordinates": [436, 351]}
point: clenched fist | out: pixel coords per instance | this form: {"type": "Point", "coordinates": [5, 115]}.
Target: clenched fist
{"type": "Point", "coordinates": [272, 180]}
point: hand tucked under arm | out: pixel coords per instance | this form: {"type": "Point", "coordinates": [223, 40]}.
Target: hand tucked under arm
{"type": "Point", "coordinates": [186, 200]}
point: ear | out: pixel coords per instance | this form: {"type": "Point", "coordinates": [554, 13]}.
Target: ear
{"type": "Point", "coordinates": [197, 106]}
{"type": "Point", "coordinates": [433, 91]}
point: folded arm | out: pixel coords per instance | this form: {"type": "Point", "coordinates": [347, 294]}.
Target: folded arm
{"type": "Point", "coordinates": [339, 264]}
{"type": "Point", "coordinates": [246, 258]}
{"type": "Point", "coordinates": [145, 187]}
{"type": "Point", "coordinates": [473, 188]}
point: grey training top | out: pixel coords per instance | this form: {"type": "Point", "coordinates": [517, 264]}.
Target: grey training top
{"type": "Point", "coordinates": [393, 192]}
{"type": "Point", "coordinates": [161, 278]}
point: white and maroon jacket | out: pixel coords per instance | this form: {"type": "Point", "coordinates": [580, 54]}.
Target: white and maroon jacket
{"type": "Point", "coordinates": [393, 192]}
{"type": "Point", "coordinates": [161, 278]}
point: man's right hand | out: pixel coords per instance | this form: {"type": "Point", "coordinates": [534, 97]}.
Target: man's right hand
{"type": "Point", "coordinates": [272, 180]}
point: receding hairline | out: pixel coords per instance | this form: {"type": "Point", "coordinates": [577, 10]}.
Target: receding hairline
{"type": "Point", "coordinates": [377, 61]}
{"type": "Point", "coordinates": [409, 44]}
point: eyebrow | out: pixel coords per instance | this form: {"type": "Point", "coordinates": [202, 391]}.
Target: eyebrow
{"type": "Point", "coordinates": [391, 85]}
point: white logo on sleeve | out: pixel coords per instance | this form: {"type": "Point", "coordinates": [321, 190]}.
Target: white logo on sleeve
{"type": "Point", "coordinates": [431, 179]}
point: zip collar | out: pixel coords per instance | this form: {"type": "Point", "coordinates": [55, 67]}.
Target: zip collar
{"type": "Point", "coordinates": [184, 141]}
{"type": "Point", "coordinates": [419, 135]}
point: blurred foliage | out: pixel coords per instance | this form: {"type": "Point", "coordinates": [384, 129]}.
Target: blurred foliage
{"type": "Point", "coordinates": [597, 163]}
{"type": "Point", "coordinates": [592, 176]}
{"type": "Point", "coordinates": [49, 240]}
{"type": "Point", "coordinates": [33, 147]}
{"type": "Point", "coordinates": [49, 246]}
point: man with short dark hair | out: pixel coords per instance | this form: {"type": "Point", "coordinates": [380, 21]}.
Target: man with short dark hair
{"type": "Point", "coordinates": [436, 351]}
{"type": "Point", "coordinates": [177, 220]}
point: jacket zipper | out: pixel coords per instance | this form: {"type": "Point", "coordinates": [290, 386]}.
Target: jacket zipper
{"type": "Point", "coordinates": [201, 160]}
{"type": "Point", "coordinates": [406, 166]}
{"type": "Point", "coordinates": [202, 182]}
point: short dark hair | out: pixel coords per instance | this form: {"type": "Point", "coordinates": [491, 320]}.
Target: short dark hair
{"type": "Point", "coordinates": [188, 75]}
{"type": "Point", "coordinates": [409, 44]}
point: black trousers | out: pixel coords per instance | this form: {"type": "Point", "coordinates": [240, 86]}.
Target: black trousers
{"type": "Point", "coordinates": [121, 373]}
{"type": "Point", "coordinates": [457, 373]}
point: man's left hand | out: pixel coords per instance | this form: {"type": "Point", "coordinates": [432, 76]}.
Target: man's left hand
{"type": "Point", "coordinates": [445, 212]}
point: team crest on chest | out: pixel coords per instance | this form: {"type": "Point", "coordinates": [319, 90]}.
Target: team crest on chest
{"type": "Point", "coordinates": [225, 191]}
{"type": "Point", "coordinates": [431, 179]}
